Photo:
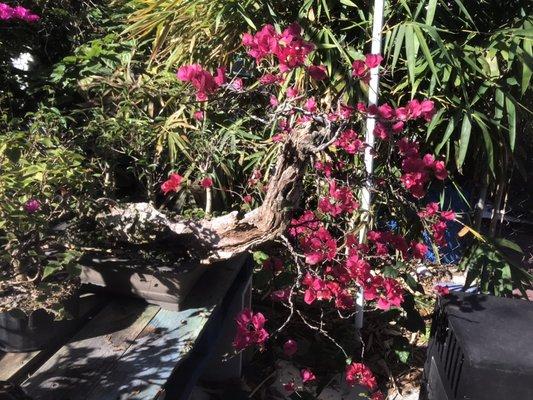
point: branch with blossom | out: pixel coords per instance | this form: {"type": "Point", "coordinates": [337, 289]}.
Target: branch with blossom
{"type": "Point", "coordinates": [308, 197]}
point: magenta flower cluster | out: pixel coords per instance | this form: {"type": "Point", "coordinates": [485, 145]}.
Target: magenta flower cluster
{"type": "Point", "coordinates": [17, 13]}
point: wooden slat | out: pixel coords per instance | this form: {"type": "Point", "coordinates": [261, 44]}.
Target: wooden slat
{"type": "Point", "coordinates": [166, 341]}
{"type": "Point", "coordinates": [12, 363]}
{"type": "Point", "coordinates": [15, 367]}
{"type": "Point", "coordinates": [74, 370]}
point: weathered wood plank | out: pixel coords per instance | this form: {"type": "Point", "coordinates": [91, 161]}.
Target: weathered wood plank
{"type": "Point", "coordinates": [167, 340]}
{"type": "Point", "coordinates": [73, 370]}
{"type": "Point", "coordinates": [15, 367]}
{"type": "Point", "coordinates": [12, 363]}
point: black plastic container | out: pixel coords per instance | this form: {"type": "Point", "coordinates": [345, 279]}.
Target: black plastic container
{"type": "Point", "coordinates": [23, 333]}
{"type": "Point", "coordinates": [126, 275]}
{"type": "Point", "coordinates": [481, 348]}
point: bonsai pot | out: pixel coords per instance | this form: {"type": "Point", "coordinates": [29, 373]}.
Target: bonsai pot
{"type": "Point", "coordinates": [164, 284]}
{"type": "Point", "coordinates": [23, 331]}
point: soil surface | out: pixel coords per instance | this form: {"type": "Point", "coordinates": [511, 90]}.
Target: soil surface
{"type": "Point", "coordinates": [28, 297]}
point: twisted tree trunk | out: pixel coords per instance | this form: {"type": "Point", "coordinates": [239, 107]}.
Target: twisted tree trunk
{"type": "Point", "coordinates": [223, 237]}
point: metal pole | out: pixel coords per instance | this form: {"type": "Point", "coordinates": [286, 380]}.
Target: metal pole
{"type": "Point", "coordinates": [373, 94]}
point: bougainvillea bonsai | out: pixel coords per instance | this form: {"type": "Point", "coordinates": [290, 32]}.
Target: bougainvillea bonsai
{"type": "Point", "coordinates": [307, 198]}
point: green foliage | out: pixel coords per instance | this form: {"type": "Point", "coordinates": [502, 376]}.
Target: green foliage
{"type": "Point", "coordinates": [491, 267]}
{"type": "Point", "coordinates": [37, 164]}
{"type": "Point", "coordinates": [473, 58]}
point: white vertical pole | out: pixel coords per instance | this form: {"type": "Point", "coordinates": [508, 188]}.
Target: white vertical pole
{"type": "Point", "coordinates": [373, 94]}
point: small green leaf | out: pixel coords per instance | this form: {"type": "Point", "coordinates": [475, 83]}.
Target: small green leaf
{"type": "Point", "coordinates": [403, 355]}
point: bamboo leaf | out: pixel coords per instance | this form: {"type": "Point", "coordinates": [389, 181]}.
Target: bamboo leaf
{"type": "Point", "coordinates": [425, 49]}
{"type": "Point", "coordinates": [466, 128]}
{"type": "Point", "coordinates": [410, 52]}
{"type": "Point", "coordinates": [489, 148]}
{"type": "Point", "coordinates": [499, 98]}
{"type": "Point", "coordinates": [526, 65]}
{"type": "Point", "coordinates": [511, 119]}
{"type": "Point", "coordinates": [449, 130]}
{"type": "Point", "coordinates": [398, 46]}
{"type": "Point", "coordinates": [430, 11]}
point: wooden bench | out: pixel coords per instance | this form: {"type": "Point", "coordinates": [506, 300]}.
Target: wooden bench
{"type": "Point", "coordinates": [129, 349]}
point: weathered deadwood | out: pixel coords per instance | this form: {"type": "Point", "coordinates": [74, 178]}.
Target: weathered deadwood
{"type": "Point", "coordinates": [225, 236]}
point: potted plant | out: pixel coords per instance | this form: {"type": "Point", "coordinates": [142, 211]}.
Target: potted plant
{"type": "Point", "coordinates": [39, 281]}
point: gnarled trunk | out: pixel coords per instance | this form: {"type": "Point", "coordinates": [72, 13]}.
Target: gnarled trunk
{"type": "Point", "coordinates": [223, 237]}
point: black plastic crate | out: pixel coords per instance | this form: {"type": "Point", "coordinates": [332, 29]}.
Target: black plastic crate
{"type": "Point", "coordinates": [481, 348]}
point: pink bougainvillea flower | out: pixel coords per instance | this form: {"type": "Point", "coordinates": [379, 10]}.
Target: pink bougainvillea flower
{"type": "Point", "coordinates": [442, 290]}
{"type": "Point", "coordinates": [419, 250]}
{"type": "Point", "coordinates": [439, 232]}
{"type": "Point", "coordinates": [199, 115]}
{"type": "Point", "coordinates": [207, 182]}
{"type": "Point", "coordinates": [439, 168]}
{"type": "Point", "coordinates": [350, 142]}
{"type": "Point", "coordinates": [310, 105]}
{"type": "Point", "coordinates": [385, 111]}
{"type": "Point", "coordinates": [359, 68]}
{"type": "Point", "coordinates": [407, 148]}
{"type": "Point", "coordinates": [346, 112]}
{"type": "Point", "coordinates": [278, 138]}
{"type": "Point", "coordinates": [358, 269]}
{"type": "Point", "coordinates": [274, 264]}
{"type": "Point", "coordinates": [288, 47]}
{"type": "Point", "coordinates": [377, 396]}
{"type": "Point", "coordinates": [360, 374]}
{"type": "Point", "coordinates": [262, 43]}
{"type": "Point", "coordinates": [430, 210]}
{"type": "Point", "coordinates": [307, 375]}
{"type": "Point", "coordinates": [273, 101]}
{"type": "Point", "coordinates": [7, 12]}
{"type": "Point", "coordinates": [250, 330]}
{"type": "Point", "coordinates": [172, 183]}
{"type": "Point", "coordinates": [24, 14]}
{"type": "Point", "coordinates": [373, 60]}
{"type": "Point", "coordinates": [203, 81]}
{"type": "Point", "coordinates": [237, 84]}
{"type": "Point", "coordinates": [380, 131]}
{"type": "Point", "coordinates": [317, 72]}
{"type": "Point", "coordinates": [318, 246]}
{"type": "Point", "coordinates": [339, 201]}
{"type": "Point", "coordinates": [387, 291]}
{"type": "Point", "coordinates": [398, 127]}
{"type": "Point", "coordinates": [317, 289]}
{"type": "Point", "coordinates": [248, 199]}
{"type": "Point", "coordinates": [290, 347]}
{"type": "Point", "coordinates": [32, 206]}
{"type": "Point", "coordinates": [289, 387]}
{"type": "Point", "coordinates": [448, 215]}
{"type": "Point", "coordinates": [292, 92]}
{"type": "Point", "coordinates": [270, 79]}
{"type": "Point", "coordinates": [427, 108]}
{"type": "Point", "coordinates": [344, 301]}
{"type": "Point", "coordinates": [281, 294]}
{"type": "Point", "coordinates": [361, 107]}
{"type": "Point", "coordinates": [293, 49]}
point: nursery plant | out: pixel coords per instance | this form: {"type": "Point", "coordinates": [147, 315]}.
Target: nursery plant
{"type": "Point", "coordinates": [305, 195]}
